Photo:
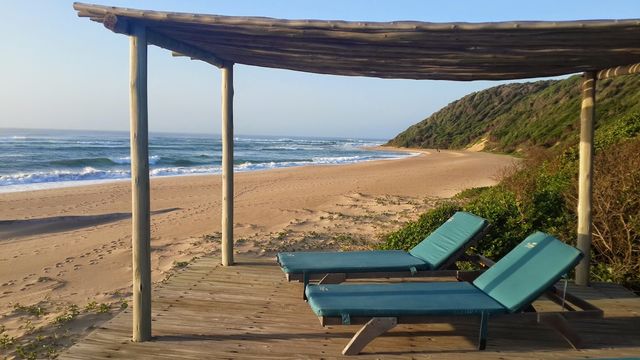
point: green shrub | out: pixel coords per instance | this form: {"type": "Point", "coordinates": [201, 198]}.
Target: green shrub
{"type": "Point", "coordinates": [616, 214]}
{"type": "Point", "coordinates": [70, 313]}
{"type": "Point", "coordinates": [622, 128]}
{"type": "Point", "coordinates": [529, 198]}
{"type": "Point", "coordinates": [415, 231]}
{"type": "Point", "coordinates": [525, 201]}
{"type": "Point", "coordinates": [180, 264]}
{"type": "Point", "coordinates": [471, 192]}
{"type": "Point", "coordinates": [103, 308]}
{"type": "Point", "coordinates": [499, 206]}
{"type": "Point", "coordinates": [6, 341]}
{"type": "Point", "coordinates": [34, 310]}
{"type": "Point", "coordinates": [610, 133]}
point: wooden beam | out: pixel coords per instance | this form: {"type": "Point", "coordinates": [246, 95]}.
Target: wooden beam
{"type": "Point", "coordinates": [122, 26]}
{"type": "Point", "coordinates": [140, 199]}
{"type": "Point", "coordinates": [554, 26]}
{"type": "Point", "coordinates": [585, 177]}
{"type": "Point", "coordinates": [619, 71]}
{"type": "Point", "coordinates": [215, 61]}
{"type": "Point", "coordinates": [227, 165]}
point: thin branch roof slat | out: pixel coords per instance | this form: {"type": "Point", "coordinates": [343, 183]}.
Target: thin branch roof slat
{"type": "Point", "coordinates": [403, 49]}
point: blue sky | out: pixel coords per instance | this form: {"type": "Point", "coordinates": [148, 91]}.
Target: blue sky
{"type": "Point", "coordinates": [60, 71]}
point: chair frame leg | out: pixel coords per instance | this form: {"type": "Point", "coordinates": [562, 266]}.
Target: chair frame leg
{"type": "Point", "coordinates": [333, 278]}
{"type": "Point", "coordinates": [484, 329]}
{"type": "Point", "coordinates": [560, 324]}
{"type": "Point", "coordinates": [371, 330]}
{"type": "Point", "coordinates": [305, 282]}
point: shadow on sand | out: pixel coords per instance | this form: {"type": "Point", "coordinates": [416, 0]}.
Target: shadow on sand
{"type": "Point", "coordinates": [12, 229]}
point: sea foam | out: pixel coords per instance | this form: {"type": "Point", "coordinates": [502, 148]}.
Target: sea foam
{"type": "Point", "coordinates": [40, 159]}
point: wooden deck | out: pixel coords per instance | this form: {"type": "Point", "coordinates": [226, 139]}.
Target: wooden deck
{"type": "Point", "coordinates": [249, 311]}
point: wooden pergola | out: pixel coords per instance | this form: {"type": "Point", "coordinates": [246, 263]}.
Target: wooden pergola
{"type": "Point", "coordinates": [600, 49]}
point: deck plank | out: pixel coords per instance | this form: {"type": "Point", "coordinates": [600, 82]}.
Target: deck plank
{"type": "Point", "coordinates": [249, 311]}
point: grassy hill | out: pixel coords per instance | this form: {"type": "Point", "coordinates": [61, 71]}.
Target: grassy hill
{"type": "Point", "coordinates": [521, 116]}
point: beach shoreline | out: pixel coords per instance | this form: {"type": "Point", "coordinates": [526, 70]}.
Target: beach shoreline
{"type": "Point", "coordinates": [72, 245]}
{"type": "Point", "coordinates": [75, 183]}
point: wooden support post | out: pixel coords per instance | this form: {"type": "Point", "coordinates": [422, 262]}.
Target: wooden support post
{"type": "Point", "coordinates": [227, 165]}
{"type": "Point", "coordinates": [140, 202]}
{"type": "Point", "coordinates": [585, 177]}
{"type": "Point", "coordinates": [371, 330]}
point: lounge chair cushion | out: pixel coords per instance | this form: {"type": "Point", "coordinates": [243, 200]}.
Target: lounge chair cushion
{"type": "Point", "coordinates": [400, 299]}
{"type": "Point", "coordinates": [528, 270]}
{"type": "Point", "coordinates": [351, 261]}
{"type": "Point", "coordinates": [450, 237]}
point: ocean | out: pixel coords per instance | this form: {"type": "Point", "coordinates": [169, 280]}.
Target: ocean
{"type": "Point", "coordinates": [36, 159]}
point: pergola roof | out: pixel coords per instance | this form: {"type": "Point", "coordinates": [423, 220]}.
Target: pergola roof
{"type": "Point", "coordinates": [404, 49]}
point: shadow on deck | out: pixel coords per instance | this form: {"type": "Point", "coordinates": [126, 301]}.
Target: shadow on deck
{"type": "Point", "coordinates": [249, 311]}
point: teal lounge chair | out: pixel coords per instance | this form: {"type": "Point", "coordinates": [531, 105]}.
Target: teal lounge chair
{"type": "Point", "coordinates": [438, 251]}
{"type": "Point", "coordinates": [507, 288]}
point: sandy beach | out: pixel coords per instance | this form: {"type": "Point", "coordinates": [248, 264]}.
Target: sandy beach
{"type": "Point", "coordinates": [72, 245]}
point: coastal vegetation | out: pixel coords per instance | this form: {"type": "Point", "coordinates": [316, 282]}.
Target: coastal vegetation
{"type": "Point", "coordinates": [48, 327]}
{"type": "Point", "coordinates": [540, 193]}
{"type": "Point", "coordinates": [520, 117]}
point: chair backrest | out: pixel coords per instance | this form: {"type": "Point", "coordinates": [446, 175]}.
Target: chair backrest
{"type": "Point", "coordinates": [528, 270]}
{"type": "Point", "coordinates": [450, 237]}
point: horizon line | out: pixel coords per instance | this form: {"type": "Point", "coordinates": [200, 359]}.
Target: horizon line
{"type": "Point", "coordinates": [197, 134]}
